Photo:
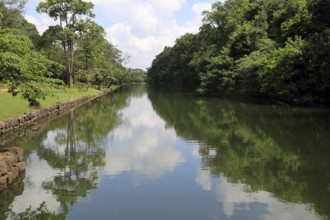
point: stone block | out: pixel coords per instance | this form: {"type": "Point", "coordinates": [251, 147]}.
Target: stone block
{"type": "Point", "coordinates": [11, 166]}
{"type": "Point", "coordinates": [3, 182]}
{"type": "Point", "coordinates": [9, 158]}
{"type": "Point", "coordinates": [13, 174]}
{"type": "Point", "coordinates": [18, 152]}
{"type": "Point", "coordinates": [21, 167]}
{"type": "Point", "coordinates": [4, 168]}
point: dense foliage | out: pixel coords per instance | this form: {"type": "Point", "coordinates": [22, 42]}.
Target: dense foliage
{"type": "Point", "coordinates": [25, 70]}
{"type": "Point", "coordinates": [273, 49]}
{"type": "Point", "coordinates": [74, 51]}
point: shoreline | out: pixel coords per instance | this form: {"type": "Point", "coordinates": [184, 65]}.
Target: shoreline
{"type": "Point", "coordinates": [19, 125]}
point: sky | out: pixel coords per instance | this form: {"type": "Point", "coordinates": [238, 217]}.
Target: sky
{"type": "Point", "coordinates": [139, 28]}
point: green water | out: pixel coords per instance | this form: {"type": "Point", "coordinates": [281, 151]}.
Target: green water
{"type": "Point", "coordinates": [141, 154]}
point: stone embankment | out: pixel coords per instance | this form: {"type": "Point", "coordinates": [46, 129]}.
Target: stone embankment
{"type": "Point", "coordinates": [29, 120]}
{"type": "Point", "coordinates": [11, 166]}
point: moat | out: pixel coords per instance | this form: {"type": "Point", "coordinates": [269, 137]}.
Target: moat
{"type": "Point", "coordinates": [142, 154]}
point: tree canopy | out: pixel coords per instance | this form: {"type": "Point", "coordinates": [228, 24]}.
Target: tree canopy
{"type": "Point", "coordinates": [69, 14]}
{"type": "Point", "coordinates": [24, 70]}
{"type": "Point", "coordinates": [75, 50]}
{"type": "Point", "coordinates": [275, 50]}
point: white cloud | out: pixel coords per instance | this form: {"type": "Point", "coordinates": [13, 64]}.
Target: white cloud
{"type": "Point", "coordinates": [199, 7]}
{"type": "Point", "coordinates": [140, 28]}
{"type": "Point", "coordinates": [146, 27]}
{"type": "Point", "coordinates": [42, 23]}
{"type": "Point", "coordinates": [167, 7]}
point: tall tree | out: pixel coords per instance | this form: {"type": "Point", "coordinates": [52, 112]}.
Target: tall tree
{"type": "Point", "coordinates": [70, 14]}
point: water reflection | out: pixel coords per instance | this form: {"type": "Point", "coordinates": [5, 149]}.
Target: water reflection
{"type": "Point", "coordinates": [35, 195]}
{"type": "Point", "coordinates": [64, 162]}
{"type": "Point", "coordinates": [141, 145]}
{"type": "Point", "coordinates": [256, 149]}
{"type": "Point", "coordinates": [237, 200]}
{"type": "Point", "coordinates": [203, 178]}
{"type": "Point", "coordinates": [138, 155]}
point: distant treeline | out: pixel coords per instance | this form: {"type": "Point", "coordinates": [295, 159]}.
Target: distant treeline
{"type": "Point", "coordinates": [278, 50]}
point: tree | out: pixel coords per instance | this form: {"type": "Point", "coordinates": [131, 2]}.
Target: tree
{"type": "Point", "coordinates": [277, 50]}
{"type": "Point", "coordinates": [137, 75]}
{"type": "Point", "coordinates": [98, 62]}
{"type": "Point", "coordinates": [11, 17]}
{"type": "Point", "coordinates": [70, 15]}
{"type": "Point", "coordinates": [171, 69]}
{"type": "Point", "coordinates": [279, 71]}
{"type": "Point", "coordinates": [110, 66]}
{"type": "Point", "coordinates": [25, 71]}
{"type": "Point", "coordinates": [11, 6]}
{"type": "Point", "coordinates": [49, 45]}
{"type": "Point", "coordinates": [90, 46]}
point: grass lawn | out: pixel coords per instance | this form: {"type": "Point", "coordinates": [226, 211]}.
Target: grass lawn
{"type": "Point", "coordinates": [11, 106]}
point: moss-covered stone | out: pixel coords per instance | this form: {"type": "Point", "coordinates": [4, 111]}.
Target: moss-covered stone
{"type": "Point", "coordinates": [11, 166]}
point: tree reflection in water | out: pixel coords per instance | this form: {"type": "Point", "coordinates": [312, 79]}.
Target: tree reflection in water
{"type": "Point", "coordinates": [265, 157]}
{"type": "Point", "coordinates": [73, 147]}
{"type": "Point", "coordinates": [284, 151]}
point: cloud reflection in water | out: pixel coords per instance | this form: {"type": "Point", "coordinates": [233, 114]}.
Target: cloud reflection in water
{"type": "Point", "coordinates": [141, 145]}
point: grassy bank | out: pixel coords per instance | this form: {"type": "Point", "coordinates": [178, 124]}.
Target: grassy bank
{"type": "Point", "coordinates": [13, 106]}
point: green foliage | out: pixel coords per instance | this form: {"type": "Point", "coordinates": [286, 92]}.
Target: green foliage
{"type": "Point", "coordinates": [12, 17]}
{"type": "Point", "coordinates": [171, 68]}
{"type": "Point", "coordinates": [137, 75]}
{"type": "Point", "coordinates": [98, 62]}
{"type": "Point", "coordinates": [320, 14]}
{"type": "Point", "coordinates": [71, 16]}
{"type": "Point", "coordinates": [24, 70]}
{"type": "Point", "coordinates": [279, 71]}
{"type": "Point", "coordinates": [218, 77]}
{"type": "Point", "coordinates": [274, 49]}
{"type": "Point", "coordinates": [33, 65]}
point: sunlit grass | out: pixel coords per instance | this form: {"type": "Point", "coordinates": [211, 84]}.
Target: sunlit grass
{"type": "Point", "coordinates": [11, 106]}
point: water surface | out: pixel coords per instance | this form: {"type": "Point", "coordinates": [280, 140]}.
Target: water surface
{"type": "Point", "coordinates": [142, 154]}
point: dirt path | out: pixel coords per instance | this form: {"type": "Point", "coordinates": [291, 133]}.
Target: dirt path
{"type": "Point", "coordinates": [3, 90]}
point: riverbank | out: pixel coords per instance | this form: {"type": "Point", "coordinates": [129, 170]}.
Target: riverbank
{"type": "Point", "coordinates": [13, 106]}
{"type": "Point", "coordinates": [29, 121]}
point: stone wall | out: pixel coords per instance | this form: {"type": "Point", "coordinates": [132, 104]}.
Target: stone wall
{"type": "Point", "coordinates": [11, 166]}
{"type": "Point", "coordinates": [31, 119]}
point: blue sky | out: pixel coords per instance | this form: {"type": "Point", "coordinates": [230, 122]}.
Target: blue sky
{"type": "Point", "coordinates": [139, 28]}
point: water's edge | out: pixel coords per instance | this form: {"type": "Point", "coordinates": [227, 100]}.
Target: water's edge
{"type": "Point", "coordinates": [20, 125]}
